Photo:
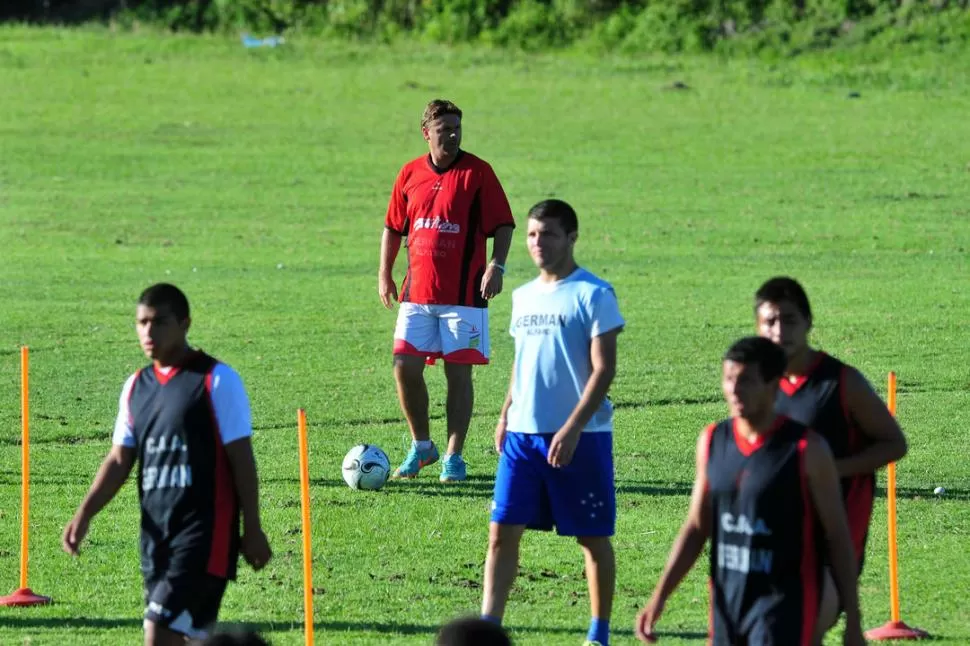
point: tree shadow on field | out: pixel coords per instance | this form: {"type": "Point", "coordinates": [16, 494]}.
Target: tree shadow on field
{"type": "Point", "coordinates": [14, 478]}
{"type": "Point", "coordinates": [343, 423]}
{"type": "Point", "coordinates": [668, 401]}
{"type": "Point", "coordinates": [473, 487]}
{"type": "Point", "coordinates": [484, 487]}
{"type": "Point", "coordinates": [913, 493]}
{"type": "Point", "coordinates": [654, 488]}
{"type": "Point", "coordinates": [390, 627]}
{"type": "Point", "coordinates": [335, 483]}
{"type": "Point", "coordinates": [61, 623]}
{"type": "Point", "coordinates": [661, 488]}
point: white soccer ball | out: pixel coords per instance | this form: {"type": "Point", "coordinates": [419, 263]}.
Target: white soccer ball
{"type": "Point", "coordinates": [366, 467]}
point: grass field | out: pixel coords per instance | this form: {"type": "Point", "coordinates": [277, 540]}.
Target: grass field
{"type": "Point", "coordinates": [257, 181]}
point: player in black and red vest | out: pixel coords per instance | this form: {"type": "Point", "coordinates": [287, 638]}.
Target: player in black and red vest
{"type": "Point", "coordinates": [186, 420]}
{"type": "Point", "coordinates": [766, 494]}
{"type": "Point", "coordinates": [836, 401]}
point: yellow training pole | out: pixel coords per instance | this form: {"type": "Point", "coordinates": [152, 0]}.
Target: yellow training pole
{"type": "Point", "coordinates": [305, 505]}
{"type": "Point", "coordinates": [23, 596]}
{"type": "Point", "coordinates": [895, 628]}
{"type": "Point", "coordinates": [891, 504]}
{"type": "Point", "coordinates": [24, 462]}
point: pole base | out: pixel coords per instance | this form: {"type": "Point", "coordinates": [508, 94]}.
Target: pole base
{"type": "Point", "coordinates": [896, 630]}
{"type": "Point", "coordinates": [24, 597]}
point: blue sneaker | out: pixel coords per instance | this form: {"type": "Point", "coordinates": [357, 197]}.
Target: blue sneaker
{"type": "Point", "coordinates": [453, 469]}
{"type": "Point", "coordinates": [415, 461]}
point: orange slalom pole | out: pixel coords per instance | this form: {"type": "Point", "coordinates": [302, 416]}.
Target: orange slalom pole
{"type": "Point", "coordinates": [891, 505]}
{"type": "Point", "coordinates": [23, 596]}
{"type": "Point", "coordinates": [24, 462]}
{"type": "Point", "coordinates": [305, 506]}
{"type": "Point", "coordinates": [895, 628]}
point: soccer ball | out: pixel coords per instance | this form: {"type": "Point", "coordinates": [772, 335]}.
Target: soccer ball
{"type": "Point", "coordinates": [366, 467]}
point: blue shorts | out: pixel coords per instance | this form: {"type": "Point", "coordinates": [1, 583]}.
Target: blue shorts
{"type": "Point", "coordinates": [578, 499]}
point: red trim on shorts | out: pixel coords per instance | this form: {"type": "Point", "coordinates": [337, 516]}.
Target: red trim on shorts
{"type": "Point", "coordinates": [403, 347]}
{"type": "Point", "coordinates": [810, 591]}
{"type": "Point", "coordinates": [466, 356]}
{"type": "Point", "coordinates": [224, 498]}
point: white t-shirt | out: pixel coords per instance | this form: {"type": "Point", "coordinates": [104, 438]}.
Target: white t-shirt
{"type": "Point", "coordinates": [229, 400]}
{"type": "Point", "coordinates": [553, 325]}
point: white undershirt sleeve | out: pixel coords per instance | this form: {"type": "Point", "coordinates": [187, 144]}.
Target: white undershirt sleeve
{"type": "Point", "coordinates": [231, 404]}
{"type": "Point", "coordinates": [124, 435]}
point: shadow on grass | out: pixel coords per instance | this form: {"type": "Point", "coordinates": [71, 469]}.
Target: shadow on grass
{"type": "Point", "coordinates": [654, 488]}
{"type": "Point", "coordinates": [323, 424]}
{"type": "Point", "coordinates": [912, 493]}
{"type": "Point", "coordinates": [482, 486]}
{"type": "Point", "coordinates": [476, 486]}
{"type": "Point", "coordinates": [390, 627]}
{"type": "Point", "coordinates": [668, 401]}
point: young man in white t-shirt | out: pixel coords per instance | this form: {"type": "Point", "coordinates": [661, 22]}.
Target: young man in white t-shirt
{"type": "Point", "coordinates": [555, 430]}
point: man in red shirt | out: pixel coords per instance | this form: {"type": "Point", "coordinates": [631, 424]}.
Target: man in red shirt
{"type": "Point", "coordinates": [446, 204]}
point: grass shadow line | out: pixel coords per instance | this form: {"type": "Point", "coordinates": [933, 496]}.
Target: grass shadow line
{"type": "Point", "coordinates": [391, 627]}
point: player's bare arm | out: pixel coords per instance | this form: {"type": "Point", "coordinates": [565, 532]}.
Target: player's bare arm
{"type": "Point", "coordinates": [113, 473]}
{"type": "Point", "coordinates": [390, 245]}
{"type": "Point", "coordinates": [254, 544]}
{"type": "Point", "coordinates": [503, 418]}
{"type": "Point", "coordinates": [823, 481]}
{"type": "Point", "coordinates": [686, 549]}
{"type": "Point", "coordinates": [602, 355]}
{"type": "Point", "coordinates": [493, 277]}
{"type": "Point", "coordinates": [870, 415]}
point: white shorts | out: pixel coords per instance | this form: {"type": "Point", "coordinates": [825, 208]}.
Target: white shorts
{"type": "Point", "coordinates": [455, 333]}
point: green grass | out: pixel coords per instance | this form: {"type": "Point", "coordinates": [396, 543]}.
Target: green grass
{"type": "Point", "coordinates": [129, 159]}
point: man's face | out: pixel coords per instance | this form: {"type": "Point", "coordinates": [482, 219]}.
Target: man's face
{"type": "Point", "coordinates": [160, 333]}
{"type": "Point", "coordinates": [444, 135]}
{"type": "Point", "coordinates": [784, 324]}
{"type": "Point", "coordinates": [746, 392]}
{"type": "Point", "coordinates": [549, 245]}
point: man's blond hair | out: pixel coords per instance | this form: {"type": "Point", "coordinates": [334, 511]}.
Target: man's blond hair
{"type": "Point", "coordinates": [437, 109]}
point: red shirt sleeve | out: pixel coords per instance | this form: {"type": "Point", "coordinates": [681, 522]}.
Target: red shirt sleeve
{"type": "Point", "coordinates": [397, 208]}
{"type": "Point", "coordinates": [496, 211]}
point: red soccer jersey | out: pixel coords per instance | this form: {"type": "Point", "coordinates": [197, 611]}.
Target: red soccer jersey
{"type": "Point", "coordinates": [447, 216]}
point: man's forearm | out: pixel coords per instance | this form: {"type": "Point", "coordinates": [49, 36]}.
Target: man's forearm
{"type": "Point", "coordinates": [687, 548]}
{"type": "Point", "coordinates": [247, 490]}
{"type": "Point", "coordinates": [246, 481]}
{"type": "Point", "coordinates": [390, 245]}
{"type": "Point", "coordinates": [501, 244]}
{"type": "Point", "coordinates": [110, 477]}
{"type": "Point", "coordinates": [593, 396]}
{"type": "Point", "coordinates": [506, 405]}
{"type": "Point", "coordinates": [871, 458]}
